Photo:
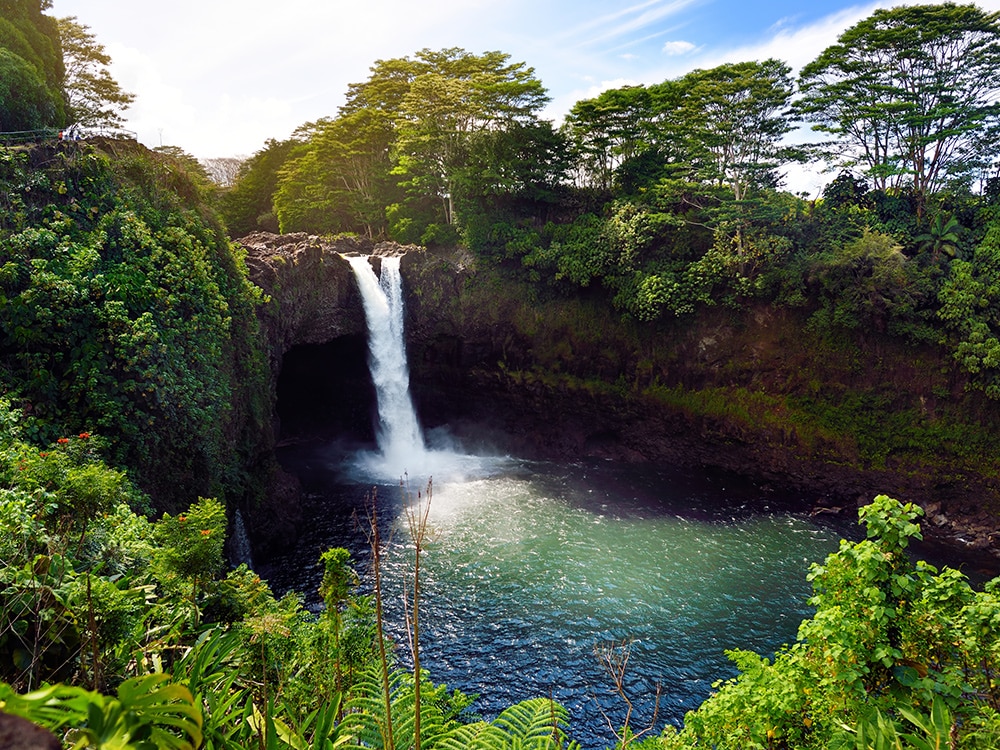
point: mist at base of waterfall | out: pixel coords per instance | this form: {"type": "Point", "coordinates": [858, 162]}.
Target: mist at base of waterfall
{"type": "Point", "coordinates": [441, 460]}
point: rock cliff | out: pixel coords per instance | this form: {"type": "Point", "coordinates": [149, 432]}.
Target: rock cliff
{"type": "Point", "coordinates": [311, 302]}
{"type": "Point", "coordinates": [746, 391]}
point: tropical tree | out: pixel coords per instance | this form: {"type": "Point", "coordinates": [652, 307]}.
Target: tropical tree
{"type": "Point", "coordinates": [908, 93]}
{"type": "Point", "coordinates": [941, 237]}
{"type": "Point", "coordinates": [437, 102]}
{"type": "Point", "coordinates": [607, 131]}
{"type": "Point", "coordinates": [722, 126]}
{"type": "Point", "coordinates": [338, 179]}
{"type": "Point", "coordinates": [249, 204]}
{"type": "Point", "coordinates": [397, 157]}
{"type": "Point", "coordinates": [95, 99]}
{"type": "Point", "coordinates": [25, 102]}
{"type": "Point", "coordinates": [732, 119]}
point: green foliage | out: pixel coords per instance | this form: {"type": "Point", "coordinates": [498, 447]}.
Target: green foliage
{"type": "Point", "coordinates": [718, 126]}
{"type": "Point", "coordinates": [536, 723]}
{"type": "Point", "coordinates": [338, 577]}
{"type": "Point", "coordinates": [31, 69]}
{"type": "Point", "coordinates": [941, 237]}
{"type": "Point", "coordinates": [732, 119]}
{"type": "Point", "coordinates": [365, 720]}
{"type": "Point", "coordinates": [608, 132]}
{"type": "Point", "coordinates": [885, 658]}
{"type": "Point", "coordinates": [860, 282]}
{"type": "Point", "coordinates": [425, 146]}
{"type": "Point", "coordinates": [451, 97]}
{"type": "Point", "coordinates": [884, 662]}
{"type": "Point", "coordinates": [908, 92]}
{"type": "Point", "coordinates": [149, 713]}
{"type": "Point", "coordinates": [26, 103]}
{"type": "Point", "coordinates": [969, 297]}
{"type": "Point", "coordinates": [878, 731]}
{"type": "Point", "coordinates": [337, 179]}
{"type": "Point", "coordinates": [191, 543]}
{"type": "Point", "coordinates": [127, 312]}
{"type": "Point", "coordinates": [248, 206]}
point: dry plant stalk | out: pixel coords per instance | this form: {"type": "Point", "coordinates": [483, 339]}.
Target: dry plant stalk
{"type": "Point", "coordinates": [416, 519]}
{"type": "Point", "coordinates": [614, 658]}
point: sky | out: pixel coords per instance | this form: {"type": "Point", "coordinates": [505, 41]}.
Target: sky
{"type": "Point", "coordinates": [217, 78]}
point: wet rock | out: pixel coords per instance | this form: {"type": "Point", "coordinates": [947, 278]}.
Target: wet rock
{"type": "Point", "coordinates": [20, 734]}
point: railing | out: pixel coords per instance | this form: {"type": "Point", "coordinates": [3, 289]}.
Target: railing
{"type": "Point", "coordinates": [28, 136]}
{"type": "Point", "coordinates": [79, 133]}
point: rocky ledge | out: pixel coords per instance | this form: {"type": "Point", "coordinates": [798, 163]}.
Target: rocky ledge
{"type": "Point", "coordinates": [311, 294]}
{"type": "Point", "coordinates": [563, 379]}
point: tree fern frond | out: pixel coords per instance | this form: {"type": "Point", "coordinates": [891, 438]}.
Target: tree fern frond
{"type": "Point", "coordinates": [364, 723]}
{"type": "Point", "coordinates": [478, 736]}
{"type": "Point", "coordinates": [536, 717]}
{"type": "Point", "coordinates": [535, 724]}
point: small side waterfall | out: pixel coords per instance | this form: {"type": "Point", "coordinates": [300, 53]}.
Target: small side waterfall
{"type": "Point", "coordinates": [240, 551]}
{"type": "Point", "coordinates": [400, 440]}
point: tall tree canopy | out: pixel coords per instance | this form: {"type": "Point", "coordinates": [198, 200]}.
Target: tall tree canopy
{"type": "Point", "coordinates": [95, 99]}
{"type": "Point", "coordinates": [607, 131]}
{"type": "Point", "coordinates": [337, 178]}
{"type": "Point", "coordinates": [732, 119]}
{"type": "Point", "coordinates": [910, 92]}
{"type": "Point", "coordinates": [720, 126]}
{"type": "Point", "coordinates": [452, 95]}
{"type": "Point", "coordinates": [400, 149]}
{"type": "Point", "coordinates": [249, 205]}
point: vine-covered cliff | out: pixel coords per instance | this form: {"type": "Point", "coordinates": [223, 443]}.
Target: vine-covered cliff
{"type": "Point", "coordinates": [752, 390]}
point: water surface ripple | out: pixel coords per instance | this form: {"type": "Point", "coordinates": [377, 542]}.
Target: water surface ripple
{"type": "Point", "coordinates": [529, 566]}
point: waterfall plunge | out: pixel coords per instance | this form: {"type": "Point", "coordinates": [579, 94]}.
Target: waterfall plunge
{"type": "Point", "coordinates": [402, 450]}
{"type": "Point", "coordinates": [400, 441]}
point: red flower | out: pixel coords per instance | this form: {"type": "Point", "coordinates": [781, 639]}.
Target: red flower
{"type": "Point", "coordinates": [182, 518]}
{"type": "Point", "coordinates": [84, 435]}
{"type": "Point", "coordinates": [206, 532]}
{"type": "Point", "coordinates": [62, 440]}
{"type": "Point", "coordinates": [43, 454]}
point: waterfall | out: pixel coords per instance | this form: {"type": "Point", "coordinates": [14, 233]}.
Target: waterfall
{"type": "Point", "coordinates": [240, 543]}
{"type": "Point", "coordinates": [399, 437]}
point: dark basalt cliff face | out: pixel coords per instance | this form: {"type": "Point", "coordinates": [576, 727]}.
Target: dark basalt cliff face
{"type": "Point", "coordinates": [312, 297]}
{"type": "Point", "coordinates": [565, 379]}
{"type": "Point", "coordinates": [314, 328]}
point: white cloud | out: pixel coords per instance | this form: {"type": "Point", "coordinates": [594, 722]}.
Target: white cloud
{"type": "Point", "coordinates": [628, 20]}
{"type": "Point", "coordinates": [677, 48]}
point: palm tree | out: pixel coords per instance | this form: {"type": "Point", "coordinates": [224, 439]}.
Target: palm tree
{"type": "Point", "coordinates": [941, 237]}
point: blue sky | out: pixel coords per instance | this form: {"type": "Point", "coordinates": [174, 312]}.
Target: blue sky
{"type": "Point", "coordinates": [219, 77]}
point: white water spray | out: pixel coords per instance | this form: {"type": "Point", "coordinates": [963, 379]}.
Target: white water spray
{"type": "Point", "coordinates": [399, 437]}
{"type": "Point", "coordinates": [402, 450]}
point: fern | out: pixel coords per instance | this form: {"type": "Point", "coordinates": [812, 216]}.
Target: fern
{"type": "Point", "coordinates": [534, 724]}
{"type": "Point", "coordinates": [364, 724]}
{"type": "Point", "coordinates": [149, 712]}
{"type": "Point", "coordinates": [211, 670]}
